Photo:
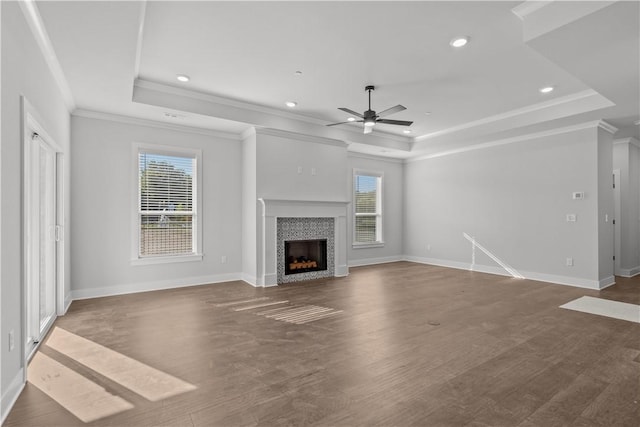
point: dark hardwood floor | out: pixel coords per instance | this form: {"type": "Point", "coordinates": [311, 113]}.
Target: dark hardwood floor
{"type": "Point", "coordinates": [412, 345]}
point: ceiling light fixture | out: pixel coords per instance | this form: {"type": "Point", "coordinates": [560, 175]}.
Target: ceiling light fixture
{"type": "Point", "coordinates": [428, 113]}
{"type": "Point", "coordinates": [290, 104]}
{"type": "Point", "coordinates": [406, 131]}
{"type": "Point", "coordinates": [298, 73]}
{"type": "Point", "coordinates": [351, 119]}
{"type": "Point", "coordinates": [459, 41]}
{"type": "Point", "coordinates": [547, 89]}
{"type": "Point", "coordinates": [183, 78]}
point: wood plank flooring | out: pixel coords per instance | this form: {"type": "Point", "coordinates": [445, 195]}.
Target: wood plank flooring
{"type": "Point", "coordinates": [410, 344]}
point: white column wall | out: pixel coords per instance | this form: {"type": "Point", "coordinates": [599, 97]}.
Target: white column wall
{"type": "Point", "coordinates": [24, 73]}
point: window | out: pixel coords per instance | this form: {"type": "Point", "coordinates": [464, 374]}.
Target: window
{"type": "Point", "coordinates": [367, 195]}
{"type": "Point", "coordinates": [167, 218]}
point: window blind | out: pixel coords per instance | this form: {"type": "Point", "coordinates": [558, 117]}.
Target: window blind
{"type": "Point", "coordinates": [166, 204]}
{"type": "Point", "coordinates": [367, 223]}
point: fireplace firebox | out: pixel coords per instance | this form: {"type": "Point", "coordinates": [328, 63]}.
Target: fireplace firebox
{"type": "Point", "coordinates": [303, 256]}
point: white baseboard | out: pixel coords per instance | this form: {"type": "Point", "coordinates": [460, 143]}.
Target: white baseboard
{"type": "Point", "coordinates": [530, 275]}
{"type": "Point", "coordinates": [629, 272]}
{"type": "Point", "coordinates": [341, 270]}
{"type": "Point", "coordinates": [251, 280]}
{"type": "Point", "coordinates": [372, 261]}
{"type": "Point", "coordinates": [153, 286]}
{"type": "Point", "coordinates": [67, 302]}
{"type": "Point", "coordinates": [9, 397]}
{"type": "Point", "coordinates": [606, 282]}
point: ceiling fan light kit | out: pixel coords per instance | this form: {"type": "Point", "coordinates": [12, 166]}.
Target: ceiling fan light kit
{"type": "Point", "coordinates": [370, 118]}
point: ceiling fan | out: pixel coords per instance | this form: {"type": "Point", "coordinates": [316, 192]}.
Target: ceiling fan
{"type": "Point", "coordinates": [370, 118]}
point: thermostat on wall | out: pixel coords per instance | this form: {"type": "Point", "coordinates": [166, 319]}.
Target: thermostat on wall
{"type": "Point", "coordinates": [578, 195]}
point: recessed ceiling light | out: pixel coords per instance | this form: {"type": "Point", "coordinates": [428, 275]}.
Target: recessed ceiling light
{"type": "Point", "coordinates": [290, 104]}
{"type": "Point", "coordinates": [183, 78]}
{"type": "Point", "coordinates": [459, 41]}
{"type": "Point", "coordinates": [428, 113]}
{"type": "Point", "coordinates": [546, 89]}
{"type": "Point", "coordinates": [298, 73]}
{"type": "Point", "coordinates": [351, 119]}
{"type": "Point", "coordinates": [406, 131]}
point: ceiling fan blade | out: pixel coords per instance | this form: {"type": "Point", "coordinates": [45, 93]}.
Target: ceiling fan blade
{"type": "Point", "coordinates": [395, 122]}
{"type": "Point", "coordinates": [346, 110]}
{"type": "Point", "coordinates": [368, 129]}
{"type": "Point", "coordinates": [392, 110]}
{"type": "Point", "coordinates": [342, 123]}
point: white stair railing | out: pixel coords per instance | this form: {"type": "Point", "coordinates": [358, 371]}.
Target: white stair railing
{"type": "Point", "coordinates": [512, 271]}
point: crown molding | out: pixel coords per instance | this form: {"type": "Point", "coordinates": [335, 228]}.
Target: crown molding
{"type": "Point", "coordinates": [510, 114]}
{"type": "Point", "coordinates": [90, 114]}
{"type": "Point", "coordinates": [607, 126]}
{"type": "Point", "coordinates": [587, 125]}
{"type": "Point", "coordinates": [374, 157]}
{"type": "Point", "coordinates": [34, 21]}
{"type": "Point", "coordinates": [251, 131]}
{"type": "Point", "coordinates": [247, 106]}
{"type": "Point", "coordinates": [299, 136]}
{"type": "Point", "coordinates": [528, 7]}
{"type": "Point", "coordinates": [172, 90]}
{"type": "Point", "coordinates": [143, 14]}
{"type": "Point", "coordinates": [630, 140]}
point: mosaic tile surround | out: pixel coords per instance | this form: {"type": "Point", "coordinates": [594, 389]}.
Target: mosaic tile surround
{"type": "Point", "coordinates": [305, 229]}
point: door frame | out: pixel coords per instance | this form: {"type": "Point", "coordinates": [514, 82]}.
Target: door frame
{"type": "Point", "coordinates": [32, 124]}
{"type": "Point", "coordinates": [617, 223]}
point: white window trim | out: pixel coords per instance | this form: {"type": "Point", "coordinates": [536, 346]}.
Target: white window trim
{"type": "Point", "coordinates": [167, 150]}
{"type": "Point", "coordinates": [379, 214]}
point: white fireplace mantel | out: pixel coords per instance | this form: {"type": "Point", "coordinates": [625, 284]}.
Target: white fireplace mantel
{"type": "Point", "coordinates": [272, 209]}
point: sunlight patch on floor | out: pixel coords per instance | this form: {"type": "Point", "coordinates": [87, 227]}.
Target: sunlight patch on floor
{"type": "Point", "coordinates": [82, 397]}
{"type": "Point", "coordinates": [142, 379]}
{"type": "Point", "coordinates": [605, 307]}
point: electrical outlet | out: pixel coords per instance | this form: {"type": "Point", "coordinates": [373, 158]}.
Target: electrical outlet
{"type": "Point", "coordinates": [223, 259]}
{"type": "Point", "coordinates": [12, 340]}
{"type": "Point", "coordinates": [571, 218]}
{"type": "Point", "coordinates": [569, 262]}
{"type": "Point", "coordinates": [300, 170]}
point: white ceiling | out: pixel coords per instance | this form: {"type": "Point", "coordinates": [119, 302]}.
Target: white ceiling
{"type": "Point", "coordinates": [242, 58]}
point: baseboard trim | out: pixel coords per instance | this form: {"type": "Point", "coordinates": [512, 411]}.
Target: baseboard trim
{"type": "Point", "coordinates": [629, 272]}
{"type": "Point", "coordinates": [251, 280]}
{"type": "Point", "coordinates": [67, 303]}
{"type": "Point", "coordinates": [10, 397]}
{"type": "Point", "coordinates": [607, 281]}
{"type": "Point", "coordinates": [530, 275]}
{"type": "Point", "coordinates": [132, 288]}
{"type": "Point", "coordinates": [373, 261]}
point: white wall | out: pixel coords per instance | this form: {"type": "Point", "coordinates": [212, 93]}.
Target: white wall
{"type": "Point", "coordinates": [392, 209]}
{"type": "Point", "coordinates": [281, 154]}
{"type": "Point", "coordinates": [626, 158]}
{"type": "Point", "coordinates": [102, 204]}
{"type": "Point", "coordinates": [249, 208]}
{"type": "Point", "coordinates": [605, 207]}
{"type": "Point", "coordinates": [513, 199]}
{"type": "Point", "coordinates": [24, 72]}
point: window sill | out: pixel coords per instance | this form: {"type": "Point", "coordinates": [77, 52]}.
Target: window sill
{"type": "Point", "coordinates": [166, 259]}
{"type": "Point", "coordinates": [368, 245]}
